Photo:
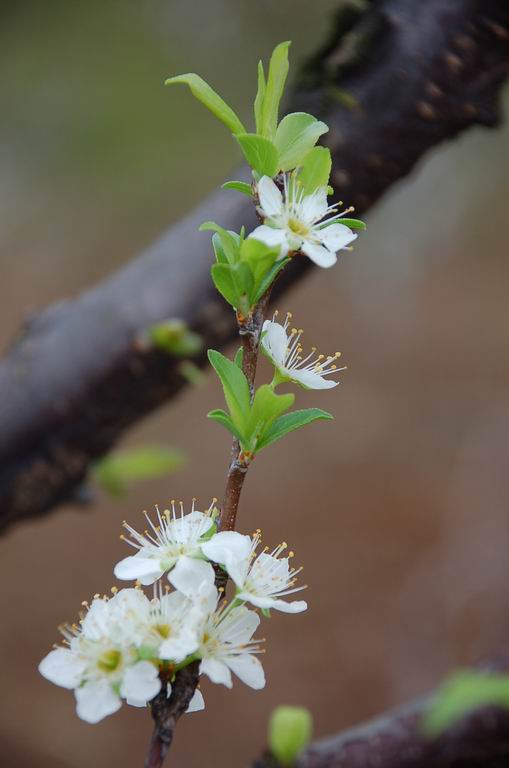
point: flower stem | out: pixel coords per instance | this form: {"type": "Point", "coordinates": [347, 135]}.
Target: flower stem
{"type": "Point", "coordinates": [249, 332]}
{"type": "Point", "coordinates": [166, 712]}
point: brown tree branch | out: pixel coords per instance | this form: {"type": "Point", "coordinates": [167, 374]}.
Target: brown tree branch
{"type": "Point", "coordinates": [166, 711]}
{"type": "Point", "coordinates": [391, 82]}
{"type": "Point", "coordinates": [396, 740]}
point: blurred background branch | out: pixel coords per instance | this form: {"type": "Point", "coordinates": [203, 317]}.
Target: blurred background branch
{"type": "Point", "coordinates": [395, 78]}
{"type": "Point", "coordinates": [397, 739]}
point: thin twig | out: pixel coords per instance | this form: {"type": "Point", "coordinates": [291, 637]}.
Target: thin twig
{"type": "Point", "coordinates": [249, 332]}
{"type": "Point", "coordinates": [166, 711]}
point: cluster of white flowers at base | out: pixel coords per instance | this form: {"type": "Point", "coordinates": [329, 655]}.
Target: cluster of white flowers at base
{"type": "Point", "coordinates": [123, 642]}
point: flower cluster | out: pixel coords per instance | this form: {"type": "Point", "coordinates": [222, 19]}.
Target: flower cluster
{"type": "Point", "coordinates": [130, 646]}
{"type": "Point", "coordinates": [125, 645]}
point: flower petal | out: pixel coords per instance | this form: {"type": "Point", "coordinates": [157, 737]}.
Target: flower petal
{"type": "Point", "coordinates": [239, 626]}
{"type": "Point", "coordinates": [140, 683]}
{"type": "Point", "coordinates": [146, 569]}
{"type": "Point", "coordinates": [336, 236]}
{"type": "Point", "coordinates": [312, 380]}
{"type": "Point", "coordinates": [197, 703]}
{"type": "Point", "coordinates": [183, 644]}
{"type": "Point", "coordinates": [275, 342]}
{"type": "Point", "coordinates": [97, 700]}
{"type": "Point", "coordinates": [222, 546]}
{"type": "Point", "coordinates": [297, 606]}
{"type": "Point", "coordinates": [271, 237]}
{"type": "Point", "coordinates": [188, 528]}
{"type": "Point", "coordinates": [314, 206]}
{"type": "Point", "coordinates": [273, 603]}
{"type": "Point", "coordinates": [190, 575]}
{"type": "Point", "coordinates": [248, 669]}
{"type": "Point", "coordinates": [319, 254]}
{"type": "Point", "coordinates": [271, 199]}
{"type": "Point", "coordinates": [62, 667]}
{"type": "Point", "coordinates": [216, 671]}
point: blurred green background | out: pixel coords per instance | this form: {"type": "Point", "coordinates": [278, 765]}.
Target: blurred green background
{"type": "Point", "coordinates": [398, 510]}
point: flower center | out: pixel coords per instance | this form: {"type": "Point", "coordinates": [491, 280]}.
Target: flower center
{"type": "Point", "coordinates": [163, 630]}
{"type": "Point", "coordinates": [297, 227]}
{"type": "Point", "coordinates": [109, 660]}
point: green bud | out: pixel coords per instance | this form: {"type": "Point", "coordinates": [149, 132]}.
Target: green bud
{"type": "Point", "coordinates": [174, 337]}
{"type": "Point", "coordinates": [290, 730]}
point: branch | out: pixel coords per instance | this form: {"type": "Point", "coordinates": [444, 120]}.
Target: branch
{"type": "Point", "coordinates": [395, 740]}
{"type": "Point", "coordinates": [250, 336]}
{"type": "Point", "coordinates": [167, 711]}
{"type": "Point", "coordinates": [412, 73]}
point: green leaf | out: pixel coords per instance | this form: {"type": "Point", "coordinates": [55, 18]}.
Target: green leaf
{"type": "Point", "coordinates": [295, 136]}
{"type": "Point", "coordinates": [269, 278]}
{"type": "Point", "coordinates": [260, 96]}
{"type": "Point", "coordinates": [291, 421]}
{"type": "Point", "coordinates": [266, 408]}
{"type": "Point", "coordinates": [260, 153]}
{"type": "Point", "coordinates": [463, 693]}
{"type": "Point", "coordinates": [219, 252]}
{"type": "Point", "coordinates": [210, 99]}
{"type": "Point", "coordinates": [117, 471]}
{"type": "Point", "coordinates": [315, 169]}
{"type": "Point", "coordinates": [230, 241]}
{"type": "Point", "coordinates": [278, 71]}
{"type": "Point", "coordinates": [235, 283]}
{"type": "Point", "coordinates": [239, 186]}
{"type": "Point", "coordinates": [352, 223]}
{"type": "Point", "coordinates": [222, 418]}
{"type": "Point", "coordinates": [290, 731]}
{"type": "Point", "coordinates": [244, 285]}
{"type": "Point", "coordinates": [223, 280]}
{"type": "Point", "coordinates": [235, 386]}
{"type": "Point", "coordinates": [174, 337]}
{"type": "Point", "coordinates": [260, 258]}
{"type": "Point", "coordinates": [239, 357]}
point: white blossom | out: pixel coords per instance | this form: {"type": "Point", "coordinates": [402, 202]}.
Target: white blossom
{"type": "Point", "coordinates": [171, 546]}
{"type": "Point", "coordinates": [226, 645]}
{"type": "Point", "coordinates": [166, 626]}
{"type": "Point", "coordinates": [101, 664]}
{"type": "Point", "coordinates": [297, 222]}
{"type": "Point", "coordinates": [285, 352]}
{"type": "Point", "coordinates": [261, 580]}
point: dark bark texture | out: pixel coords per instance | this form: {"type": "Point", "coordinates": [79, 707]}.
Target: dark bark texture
{"type": "Point", "coordinates": [166, 711]}
{"type": "Point", "coordinates": [396, 78]}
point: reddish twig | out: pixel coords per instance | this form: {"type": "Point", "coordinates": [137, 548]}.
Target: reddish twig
{"type": "Point", "coordinates": [167, 711]}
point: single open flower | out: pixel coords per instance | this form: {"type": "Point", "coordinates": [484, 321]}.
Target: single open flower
{"type": "Point", "coordinates": [297, 222]}
{"type": "Point", "coordinates": [226, 646]}
{"type": "Point", "coordinates": [101, 665]}
{"type": "Point", "coordinates": [171, 546]}
{"type": "Point", "coordinates": [261, 580]}
{"type": "Point", "coordinates": [285, 352]}
{"type": "Point", "coordinates": [165, 627]}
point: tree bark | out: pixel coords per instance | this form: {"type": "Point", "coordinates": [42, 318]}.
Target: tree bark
{"type": "Point", "coordinates": [393, 80]}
